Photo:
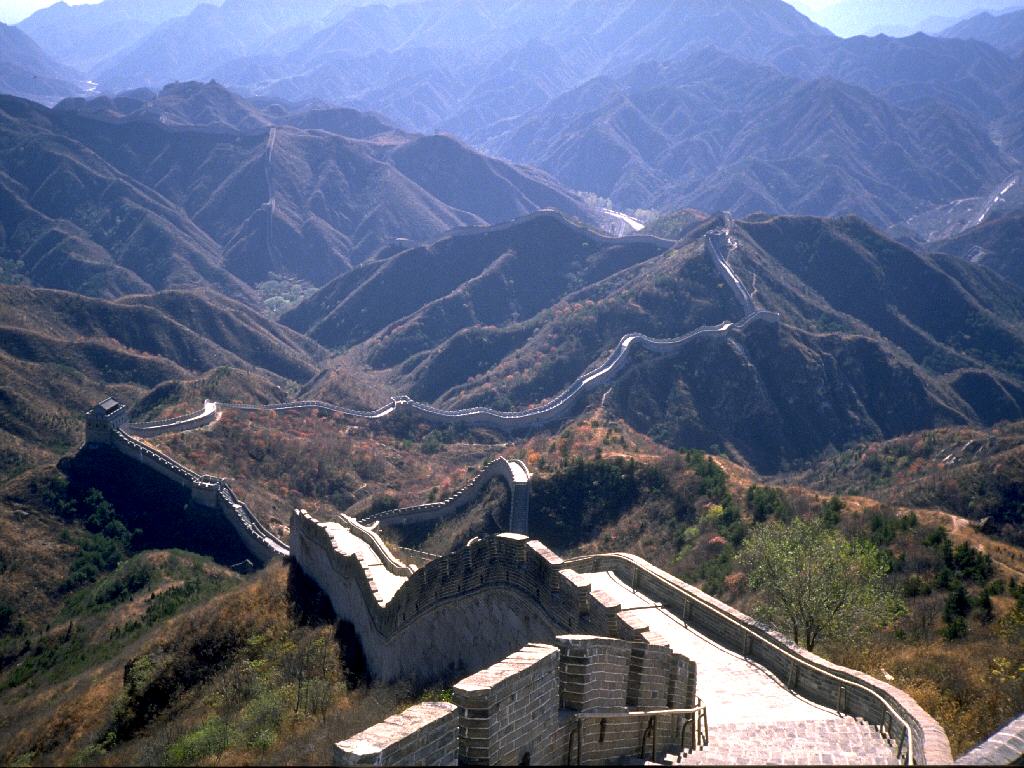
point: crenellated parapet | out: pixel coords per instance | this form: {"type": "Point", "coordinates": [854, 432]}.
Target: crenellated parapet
{"type": "Point", "coordinates": [106, 425]}
{"type": "Point", "coordinates": [462, 611]}
{"type": "Point", "coordinates": [513, 473]}
{"type": "Point", "coordinates": [473, 608]}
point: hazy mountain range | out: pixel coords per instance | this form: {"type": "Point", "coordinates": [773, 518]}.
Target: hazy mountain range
{"type": "Point", "coordinates": [197, 187]}
{"type": "Point", "coordinates": [651, 104]}
{"type": "Point", "coordinates": [1004, 31]}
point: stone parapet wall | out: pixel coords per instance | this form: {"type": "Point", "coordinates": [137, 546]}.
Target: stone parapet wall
{"type": "Point", "coordinates": [206, 415]}
{"type": "Point", "coordinates": [831, 685]}
{"type": "Point", "coordinates": [515, 475]}
{"type": "Point", "coordinates": [508, 711]}
{"type": "Point", "coordinates": [393, 564]}
{"type": "Point", "coordinates": [1004, 747]}
{"type": "Point", "coordinates": [424, 734]}
{"type": "Point", "coordinates": [463, 611]}
{"type": "Point", "coordinates": [467, 610]}
{"type": "Point", "coordinates": [543, 704]}
{"type": "Point", "coordinates": [205, 490]}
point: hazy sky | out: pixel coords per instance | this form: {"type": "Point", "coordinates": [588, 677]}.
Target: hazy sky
{"type": "Point", "coordinates": [855, 17]}
{"type": "Point", "coordinates": [13, 11]}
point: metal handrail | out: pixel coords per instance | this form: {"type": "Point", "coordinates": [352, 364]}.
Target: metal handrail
{"type": "Point", "coordinates": [908, 735]}
{"type": "Point", "coordinates": [696, 717]}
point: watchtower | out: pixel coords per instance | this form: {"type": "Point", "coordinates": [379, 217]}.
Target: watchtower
{"type": "Point", "coordinates": [103, 419]}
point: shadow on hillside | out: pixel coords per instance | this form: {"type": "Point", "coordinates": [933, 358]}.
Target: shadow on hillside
{"type": "Point", "coordinates": [157, 508]}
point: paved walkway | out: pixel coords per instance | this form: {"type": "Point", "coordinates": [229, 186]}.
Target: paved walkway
{"type": "Point", "coordinates": [386, 582]}
{"type": "Point", "coordinates": [752, 717]}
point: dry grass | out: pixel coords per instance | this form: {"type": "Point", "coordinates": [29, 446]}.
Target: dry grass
{"type": "Point", "coordinates": [953, 682]}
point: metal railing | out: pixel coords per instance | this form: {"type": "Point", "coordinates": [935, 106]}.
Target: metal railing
{"type": "Point", "coordinates": [905, 746]}
{"type": "Point", "coordinates": [694, 722]}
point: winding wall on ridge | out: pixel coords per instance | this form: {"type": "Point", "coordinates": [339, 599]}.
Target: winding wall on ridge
{"type": "Point", "coordinates": [514, 474]}
{"type": "Point", "coordinates": [206, 490]}
{"type": "Point", "coordinates": [556, 409]}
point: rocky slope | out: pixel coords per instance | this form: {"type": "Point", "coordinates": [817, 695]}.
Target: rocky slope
{"type": "Point", "coordinates": [26, 70]}
{"type": "Point", "coordinates": [876, 340]}
{"type": "Point", "coordinates": [194, 186]}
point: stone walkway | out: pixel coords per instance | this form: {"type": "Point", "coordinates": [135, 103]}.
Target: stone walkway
{"type": "Point", "coordinates": [752, 717]}
{"type": "Point", "coordinates": [386, 582]}
{"type": "Point", "coordinates": [804, 742]}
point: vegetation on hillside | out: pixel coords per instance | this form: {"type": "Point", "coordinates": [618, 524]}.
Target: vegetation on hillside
{"type": "Point", "coordinates": [113, 654]}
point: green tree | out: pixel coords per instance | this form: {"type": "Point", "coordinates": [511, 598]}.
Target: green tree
{"type": "Point", "coordinates": [765, 502]}
{"type": "Point", "coordinates": [812, 579]}
{"type": "Point", "coordinates": [831, 511]}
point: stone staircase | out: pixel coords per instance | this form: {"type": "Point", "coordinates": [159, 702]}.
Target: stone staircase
{"type": "Point", "coordinates": [846, 741]}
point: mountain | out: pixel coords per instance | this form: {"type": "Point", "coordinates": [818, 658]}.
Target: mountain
{"type": "Point", "coordinates": [192, 45]}
{"type": "Point", "coordinates": [446, 62]}
{"type": "Point", "coordinates": [495, 277]}
{"type": "Point", "coordinates": [61, 352]}
{"type": "Point", "coordinates": [25, 70]}
{"type": "Point", "coordinates": [201, 187]}
{"type": "Point", "coordinates": [962, 75]}
{"type": "Point", "coordinates": [72, 220]}
{"type": "Point", "coordinates": [714, 133]}
{"type": "Point", "coordinates": [1004, 31]}
{"type": "Point", "coordinates": [83, 35]}
{"type": "Point", "coordinates": [876, 340]}
{"type": "Point", "coordinates": [997, 243]}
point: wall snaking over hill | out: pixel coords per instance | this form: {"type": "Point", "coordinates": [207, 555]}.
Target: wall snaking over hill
{"type": "Point", "coordinates": [514, 474]}
{"type": "Point", "coordinates": [460, 612]}
{"type": "Point", "coordinates": [556, 409]}
{"type": "Point", "coordinates": [205, 490]}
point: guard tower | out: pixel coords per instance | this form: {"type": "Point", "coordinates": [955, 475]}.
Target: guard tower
{"type": "Point", "coordinates": [103, 419]}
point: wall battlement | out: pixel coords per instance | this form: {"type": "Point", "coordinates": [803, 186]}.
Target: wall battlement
{"type": "Point", "coordinates": [463, 611]}
{"type": "Point", "coordinates": [470, 609]}
{"type": "Point", "coordinates": [514, 474]}
{"type": "Point", "coordinates": [206, 490]}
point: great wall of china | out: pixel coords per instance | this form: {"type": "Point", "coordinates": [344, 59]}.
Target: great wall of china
{"type": "Point", "coordinates": [590, 660]}
{"type": "Point", "coordinates": [556, 409]}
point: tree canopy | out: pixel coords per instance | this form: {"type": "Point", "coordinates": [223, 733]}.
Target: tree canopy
{"type": "Point", "coordinates": [814, 581]}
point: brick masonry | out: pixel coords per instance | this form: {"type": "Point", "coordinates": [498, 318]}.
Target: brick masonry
{"type": "Point", "coordinates": [424, 734]}
{"type": "Point", "coordinates": [527, 708]}
{"type": "Point", "coordinates": [1004, 747]}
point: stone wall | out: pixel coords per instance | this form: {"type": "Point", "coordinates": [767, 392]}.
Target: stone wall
{"type": "Point", "coordinates": [457, 613]}
{"type": "Point", "coordinates": [543, 704]}
{"type": "Point", "coordinates": [831, 685]}
{"type": "Point", "coordinates": [206, 415]}
{"type": "Point", "coordinates": [424, 734]}
{"type": "Point", "coordinates": [1004, 747]}
{"type": "Point", "coordinates": [508, 712]}
{"type": "Point", "coordinates": [204, 490]}
{"type": "Point", "coordinates": [460, 612]}
{"type": "Point", "coordinates": [515, 475]}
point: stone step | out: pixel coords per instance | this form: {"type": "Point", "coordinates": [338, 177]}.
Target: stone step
{"type": "Point", "coordinates": [845, 741]}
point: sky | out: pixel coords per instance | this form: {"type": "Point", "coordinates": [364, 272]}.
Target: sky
{"type": "Point", "coordinates": [13, 11]}
{"type": "Point", "coordinates": [858, 17]}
